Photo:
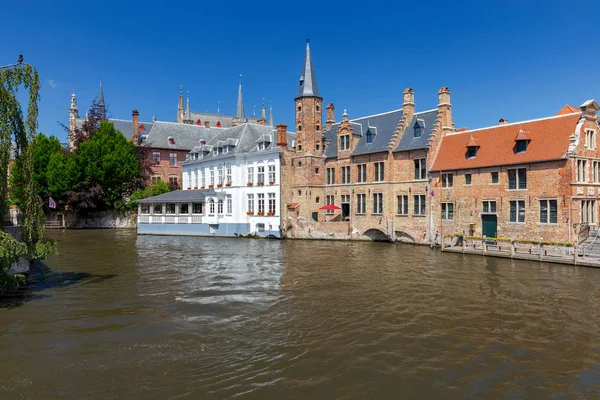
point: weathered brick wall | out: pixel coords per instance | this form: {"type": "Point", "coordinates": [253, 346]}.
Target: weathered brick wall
{"type": "Point", "coordinates": [164, 170]}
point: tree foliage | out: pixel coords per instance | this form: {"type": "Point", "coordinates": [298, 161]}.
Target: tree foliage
{"type": "Point", "coordinates": [160, 187]}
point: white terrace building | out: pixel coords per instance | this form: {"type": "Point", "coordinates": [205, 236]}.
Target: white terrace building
{"type": "Point", "coordinates": [231, 187]}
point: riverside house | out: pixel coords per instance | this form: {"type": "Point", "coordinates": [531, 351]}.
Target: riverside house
{"type": "Point", "coordinates": [231, 187]}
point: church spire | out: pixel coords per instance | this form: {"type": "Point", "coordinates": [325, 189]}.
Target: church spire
{"type": "Point", "coordinates": [239, 113]}
{"type": "Point", "coordinates": [308, 80]}
{"type": "Point", "coordinates": [101, 105]}
{"type": "Point", "coordinates": [180, 106]}
{"type": "Point", "coordinates": [271, 114]}
{"type": "Point", "coordinates": [187, 108]}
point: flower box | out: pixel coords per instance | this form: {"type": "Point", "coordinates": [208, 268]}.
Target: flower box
{"type": "Point", "coordinates": [190, 188]}
{"type": "Point", "coordinates": [249, 213]}
{"type": "Point", "coordinates": [228, 184]}
{"type": "Point", "coordinates": [195, 187]}
{"type": "Point", "coordinates": [211, 186]}
{"type": "Point", "coordinates": [261, 213]}
{"type": "Point", "coordinates": [202, 187]}
{"type": "Point", "coordinates": [270, 214]}
{"type": "Point", "coordinates": [272, 183]}
{"type": "Point", "coordinates": [250, 184]}
{"type": "Point", "coordinates": [219, 185]}
{"type": "Point", "coordinates": [260, 183]}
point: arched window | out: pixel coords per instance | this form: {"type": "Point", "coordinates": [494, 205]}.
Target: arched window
{"type": "Point", "coordinates": [211, 206]}
{"type": "Point", "coordinates": [220, 207]}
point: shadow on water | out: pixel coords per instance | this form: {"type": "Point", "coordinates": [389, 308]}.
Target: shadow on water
{"type": "Point", "coordinates": [41, 278]}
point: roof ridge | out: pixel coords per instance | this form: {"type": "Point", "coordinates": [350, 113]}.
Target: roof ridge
{"type": "Point", "coordinates": [390, 112]}
{"type": "Point", "coordinates": [514, 123]}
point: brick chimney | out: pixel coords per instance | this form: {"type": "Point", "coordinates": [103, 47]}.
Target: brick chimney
{"type": "Point", "coordinates": [207, 124]}
{"type": "Point", "coordinates": [135, 125]}
{"type": "Point", "coordinates": [408, 104]}
{"type": "Point", "coordinates": [282, 136]}
{"type": "Point", "coordinates": [502, 121]}
{"type": "Point", "coordinates": [445, 109]}
{"type": "Point", "coordinates": [329, 116]}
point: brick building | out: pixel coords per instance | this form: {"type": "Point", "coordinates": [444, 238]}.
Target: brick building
{"type": "Point", "coordinates": [537, 179]}
{"type": "Point", "coordinates": [374, 168]}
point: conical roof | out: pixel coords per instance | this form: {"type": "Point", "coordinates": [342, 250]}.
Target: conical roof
{"type": "Point", "coordinates": [308, 79]}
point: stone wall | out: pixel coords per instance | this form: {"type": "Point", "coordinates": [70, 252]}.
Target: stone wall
{"type": "Point", "coordinates": [98, 220]}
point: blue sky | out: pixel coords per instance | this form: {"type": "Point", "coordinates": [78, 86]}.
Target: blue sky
{"type": "Point", "coordinates": [512, 59]}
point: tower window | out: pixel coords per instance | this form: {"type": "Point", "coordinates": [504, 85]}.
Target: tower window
{"type": "Point", "coordinates": [299, 128]}
{"type": "Point", "coordinates": [318, 108]}
{"type": "Point", "coordinates": [318, 128]}
{"type": "Point", "coordinates": [299, 108]}
{"type": "Point", "coordinates": [299, 147]}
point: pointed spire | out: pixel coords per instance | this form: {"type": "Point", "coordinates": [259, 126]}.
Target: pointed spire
{"type": "Point", "coordinates": [180, 116]}
{"type": "Point", "coordinates": [73, 101]}
{"type": "Point", "coordinates": [254, 112]}
{"type": "Point", "coordinates": [239, 113]}
{"type": "Point", "coordinates": [187, 108]}
{"type": "Point", "coordinates": [263, 111]}
{"type": "Point", "coordinates": [308, 80]}
{"type": "Point", "coordinates": [271, 114]}
{"type": "Point", "coordinates": [219, 107]}
{"type": "Point", "coordinates": [101, 105]}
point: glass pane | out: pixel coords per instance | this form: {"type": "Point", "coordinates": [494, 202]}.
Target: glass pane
{"type": "Point", "coordinates": [486, 207]}
{"type": "Point", "coordinates": [492, 206]}
{"type": "Point", "coordinates": [522, 178]}
{"type": "Point", "coordinates": [553, 212]}
{"type": "Point", "coordinates": [521, 211]}
{"type": "Point", "coordinates": [543, 211]}
{"type": "Point", "coordinates": [512, 179]}
{"type": "Point", "coordinates": [513, 211]}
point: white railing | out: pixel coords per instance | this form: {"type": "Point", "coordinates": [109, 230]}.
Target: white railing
{"type": "Point", "coordinates": [169, 219]}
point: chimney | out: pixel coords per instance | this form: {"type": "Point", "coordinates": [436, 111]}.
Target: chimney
{"type": "Point", "coordinates": [282, 136]}
{"type": "Point", "coordinates": [329, 116]}
{"type": "Point", "coordinates": [502, 121]}
{"type": "Point", "coordinates": [207, 124]}
{"type": "Point", "coordinates": [408, 105]}
{"type": "Point", "coordinates": [445, 109]}
{"type": "Point", "coordinates": [135, 124]}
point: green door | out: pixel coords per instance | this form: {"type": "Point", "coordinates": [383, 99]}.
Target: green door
{"type": "Point", "coordinates": [489, 224]}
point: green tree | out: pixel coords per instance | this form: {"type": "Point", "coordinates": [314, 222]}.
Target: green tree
{"type": "Point", "coordinates": [159, 187]}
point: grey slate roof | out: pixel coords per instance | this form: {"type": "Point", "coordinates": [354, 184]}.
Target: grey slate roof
{"type": "Point", "coordinates": [308, 79]}
{"type": "Point", "coordinates": [225, 120]}
{"type": "Point", "coordinates": [186, 137]}
{"type": "Point", "coordinates": [126, 127]}
{"type": "Point", "coordinates": [382, 126]}
{"type": "Point", "coordinates": [179, 196]}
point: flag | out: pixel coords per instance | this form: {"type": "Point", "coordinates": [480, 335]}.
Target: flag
{"type": "Point", "coordinates": [431, 194]}
{"type": "Point", "coordinates": [52, 203]}
{"type": "Point", "coordinates": [437, 181]}
{"type": "Point", "coordinates": [142, 127]}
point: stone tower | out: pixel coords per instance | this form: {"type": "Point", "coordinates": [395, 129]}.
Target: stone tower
{"type": "Point", "coordinates": [73, 115]}
{"type": "Point", "coordinates": [101, 105]}
{"type": "Point", "coordinates": [180, 106]}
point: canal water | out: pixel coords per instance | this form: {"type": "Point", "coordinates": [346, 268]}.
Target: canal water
{"type": "Point", "coordinates": [121, 316]}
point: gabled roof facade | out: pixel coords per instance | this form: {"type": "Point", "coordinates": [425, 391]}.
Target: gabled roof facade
{"type": "Point", "coordinates": [548, 140]}
{"type": "Point", "coordinates": [185, 137]}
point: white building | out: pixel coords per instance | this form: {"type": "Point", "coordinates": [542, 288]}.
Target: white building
{"type": "Point", "coordinates": [231, 187]}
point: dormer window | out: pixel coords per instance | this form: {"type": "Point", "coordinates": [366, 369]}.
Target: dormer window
{"type": "Point", "coordinates": [171, 140]}
{"type": "Point", "coordinates": [216, 151]}
{"type": "Point", "coordinates": [590, 140]}
{"type": "Point", "coordinates": [261, 146]}
{"type": "Point", "coordinates": [521, 142]}
{"type": "Point", "coordinates": [369, 137]}
{"type": "Point", "coordinates": [472, 148]}
{"type": "Point", "coordinates": [417, 130]}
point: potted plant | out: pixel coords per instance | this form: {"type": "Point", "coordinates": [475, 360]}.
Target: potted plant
{"type": "Point", "coordinates": [250, 183]}
{"type": "Point", "coordinates": [211, 186]}
{"type": "Point", "coordinates": [260, 183]}
{"type": "Point", "coordinates": [219, 185]}
{"type": "Point", "coordinates": [261, 213]}
{"type": "Point", "coordinates": [202, 187]}
{"type": "Point", "coordinates": [249, 213]}
{"type": "Point", "coordinates": [271, 182]}
{"type": "Point", "coordinates": [228, 184]}
{"type": "Point", "coordinates": [270, 213]}
{"type": "Point", "coordinates": [195, 187]}
{"type": "Point", "coordinates": [190, 188]}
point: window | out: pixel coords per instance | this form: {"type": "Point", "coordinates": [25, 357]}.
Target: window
{"type": "Point", "coordinates": [378, 172]}
{"type": "Point", "coordinates": [173, 182]}
{"type": "Point", "coordinates": [221, 175]}
{"type": "Point", "coordinates": [420, 169]}
{"type": "Point", "coordinates": [369, 137]}
{"type": "Point", "coordinates": [272, 174]}
{"type": "Point", "coordinates": [467, 179]}
{"type": "Point", "coordinates": [299, 192]}
{"type": "Point", "coordinates": [299, 163]}
{"type": "Point", "coordinates": [361, 203]}
{"type": "Point", "coordinates": [250, 204]}
{"type": "Point", "coordinates": [582, 175]}
{"type": "Point", "coordinates": [345, 199]}
{"type": "Point", "coordinates": [345, 142]}
{"type": "Point", "coordinates": [215, 151]}
{"type": "Point", "coordinates": [316, 171]}
{"type": "Point", "coordinates": [419, 208]}
{"type": "Point", "coordinates": [261, 175]}
{"type": "Point", "coordinates": [172, 159]}
{"type": "Point", "coordinates": [299, 108]}
{"type": "Point", "coordinates": [272, 203]}
{"type": "Point", "coordinates": [155, 157]}
{"type": "Point", "coordinates": [548, 212]}
{"type": "Point", "coordinates": [317, 199]}
{"type": "Point", "coordinates": [261, 203]}
{"type": "Point", "coordinates": [156, 179]}
{"type": "Point", "coordinates": [197, 208]}
{"type": "Point", "coordinates": [521, 146]}
{"type": "Point", "coordinates": [196, 178]}
{"type": "Point", "coordinates": [145, 208]}
{"type": "Point", "coordinates": [596, 171]}
{"type": "Point", "coordinates": [446, 180]}
{"type": "Point", "coordinates": [330, 176]}
{"type": "Point", "coordinates": [317, 107]}
{"type": "Point", "coordinates": [184, 208]}
{"type": "Point", "coordinates": [212, 177]}
{"type": "Point", "coordinates": [489, 206]}
{"type": "Point", "coordinates": [229, 203]}
{"type": "Point", "coordinates": [588, 211]}
{"type": "Point", "coordinates": [220, 206]}
{"type": "Point", "coordinates": [448, 211]}
{"type": "Point", "coordinates": [317, 145]}
{"type": "Point", "coordinates": [250, 174]}
{"type": "Point", "coordinates": [472, 151]}
{"type": "Point", "coordinates": [318, 129]}
{"type": "Point", "coordinates": [299, 148]}
{"type": "Point", "coordinates": [517, 211]}
{"type": "Point", "coordinates": [417, 130]}
{"type": "Point", "coordinates": [203, 179]}
{"type": "Point", "coordinates": [228, 176]}
{"type": "Point", "coordinates": [346, 174]}
{"type": "Point", "coordinates": [299, 128]}
{"type": "Point", "coordinates": [517, 179]}
{"type": "Point", "coordinates": [590, 140]}
{"type": "Point", "coordinates": [211, 206]}
{"type": "Point", "coordinates": [402, 205]}
{"type": "Point", "coordinates": [362, 172]}
{"type": "Point", "coordinates": [377, 203]}
{"type": "Point", "coordinates": [170, 208]}
{"type": "Point", "coordinates": [157, 208]}
{"type": "Point", "coordinates": [260, 227]}
{"type": "Point", "coordinates": [328, 201]}
{"type": "Point", "coordinates": [261, 145]}
{"type": "Point", "coordinates": [495, 177]}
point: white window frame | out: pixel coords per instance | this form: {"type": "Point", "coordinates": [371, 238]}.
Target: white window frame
{"type": "Point", "coordinates": [402, 203]}
{"type": "Point", "coordinates": [377, 203]}
{"type": "Point", "coordinates": [379, 172]}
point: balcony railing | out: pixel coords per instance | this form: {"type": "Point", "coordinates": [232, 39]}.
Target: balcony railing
{"type": "Point", "coordinates": [169, 219]}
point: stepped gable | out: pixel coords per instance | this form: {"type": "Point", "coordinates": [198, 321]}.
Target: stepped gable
{"type": "Point", "coordinates": [549, 140]}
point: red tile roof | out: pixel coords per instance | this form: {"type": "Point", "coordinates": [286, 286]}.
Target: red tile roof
{"type": "Point", "coordinates": [568, 109]}
{"type": "Point", "coordinates": [549, 141]}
